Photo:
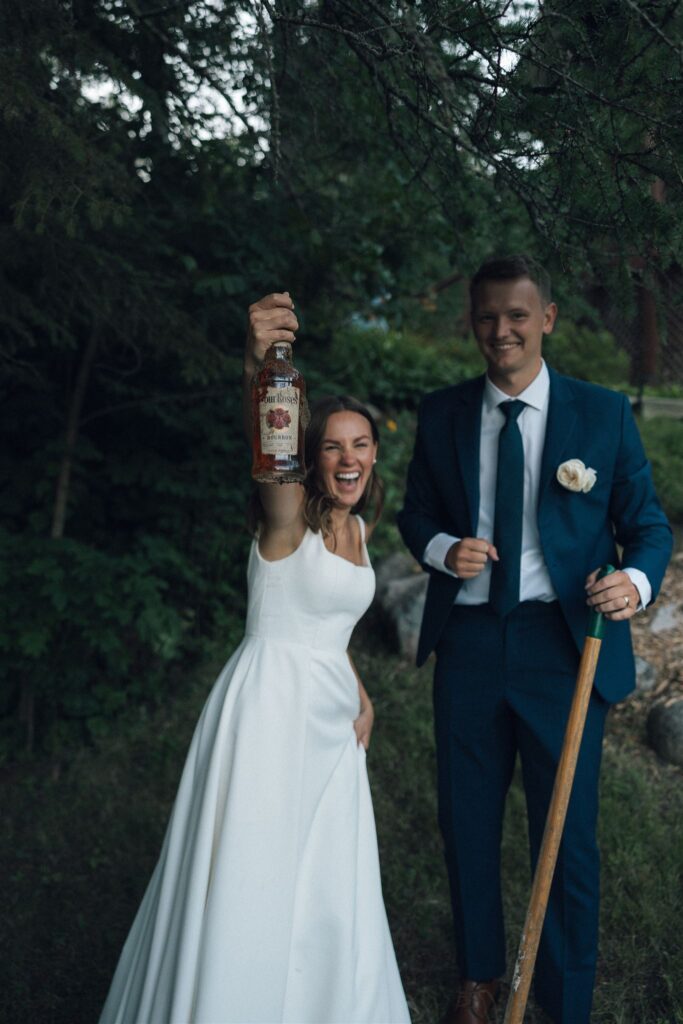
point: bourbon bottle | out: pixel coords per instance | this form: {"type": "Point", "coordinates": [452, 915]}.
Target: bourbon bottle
{"type": "Point", "coordinates": [279, 415]}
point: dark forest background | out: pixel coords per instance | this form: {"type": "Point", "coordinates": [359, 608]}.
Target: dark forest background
{"type": "Point", "coordinates": [164, 164]}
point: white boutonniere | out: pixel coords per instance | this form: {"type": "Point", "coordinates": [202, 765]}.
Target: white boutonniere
{"type": "Point", "coordinates": [575, 476]}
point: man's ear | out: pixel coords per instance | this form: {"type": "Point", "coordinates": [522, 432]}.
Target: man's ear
{"type": "Point", "coordinates": [549, 317]}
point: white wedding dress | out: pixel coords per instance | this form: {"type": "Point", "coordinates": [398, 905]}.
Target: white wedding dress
{"type": "Point", "coordinates": [266, 905]}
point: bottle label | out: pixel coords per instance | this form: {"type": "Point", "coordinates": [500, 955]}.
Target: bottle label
{"type": "Point", "coordinates": [279, 418]}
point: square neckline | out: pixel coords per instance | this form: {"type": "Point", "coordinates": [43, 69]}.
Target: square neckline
{"type": "Point", "coordinates": [363, 565]}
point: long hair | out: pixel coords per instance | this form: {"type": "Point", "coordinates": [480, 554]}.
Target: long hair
{"type": "Point", "coordinates": [318, 504]}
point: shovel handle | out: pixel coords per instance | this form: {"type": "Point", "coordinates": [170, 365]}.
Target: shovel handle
{"type": "Point", "coordinates": [545, 867]}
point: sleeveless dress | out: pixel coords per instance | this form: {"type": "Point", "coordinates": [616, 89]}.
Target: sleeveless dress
{"type": "Point", "coordinates": [265, 905]}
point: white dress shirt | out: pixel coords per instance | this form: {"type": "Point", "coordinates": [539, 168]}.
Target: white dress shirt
{"type": "Point", "coordinates": [535, 582]}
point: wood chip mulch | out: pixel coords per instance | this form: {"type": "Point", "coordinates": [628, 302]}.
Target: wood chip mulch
{"type": "Point", "coordinates": [664, 651]}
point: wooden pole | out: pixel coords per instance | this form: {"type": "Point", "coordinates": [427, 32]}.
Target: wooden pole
{"type": "Point", "coordinates": [557, 812]}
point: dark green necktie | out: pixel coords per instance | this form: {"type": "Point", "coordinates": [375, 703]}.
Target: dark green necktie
{"type": "Point", "coordinates": [509, 510]}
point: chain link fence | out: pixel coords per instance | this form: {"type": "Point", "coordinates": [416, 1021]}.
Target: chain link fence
{"type": "Point", "coordinates": [653, 337]}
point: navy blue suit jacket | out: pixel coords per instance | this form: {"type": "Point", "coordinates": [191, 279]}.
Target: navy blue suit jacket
{"type": "Point", "coordinates": [579, 532]}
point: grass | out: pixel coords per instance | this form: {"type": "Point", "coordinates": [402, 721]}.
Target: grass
{"type": "Point", "coordinates": [663, 441]}
{"type": "Point", "coordinates": [81, 836]}
{"type": "Point", "coordinates": [640, 979]}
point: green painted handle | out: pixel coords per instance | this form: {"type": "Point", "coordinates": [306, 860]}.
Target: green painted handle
{"type": "Point", "coordinates": [596, 621]}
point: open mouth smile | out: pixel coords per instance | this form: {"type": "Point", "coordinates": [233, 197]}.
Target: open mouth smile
{"type": "Point", "coordinates": [347, 482]}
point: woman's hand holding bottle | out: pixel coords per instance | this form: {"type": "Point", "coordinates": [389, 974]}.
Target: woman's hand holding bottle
{"type": "Point", "coordinates": [270, 319]}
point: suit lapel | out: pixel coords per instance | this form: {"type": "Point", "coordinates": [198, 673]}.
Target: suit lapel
{"type": "Point", "coordinates": [466, 431]}
{"type": "Point", "coordinates": [559, 431]}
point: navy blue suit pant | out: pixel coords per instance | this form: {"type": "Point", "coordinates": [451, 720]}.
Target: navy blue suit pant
{"type": "Point", "coordinates": [503, 686]}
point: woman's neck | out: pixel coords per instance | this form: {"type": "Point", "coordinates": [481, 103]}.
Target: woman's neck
{"type": "Point", "coordinates": [340, 521]}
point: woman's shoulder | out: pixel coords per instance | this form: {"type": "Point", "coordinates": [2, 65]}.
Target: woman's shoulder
{"type": "Point", "coordinates": [365, 530]}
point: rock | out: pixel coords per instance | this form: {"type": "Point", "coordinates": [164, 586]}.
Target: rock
{"type": "Point", "coordinates": [396, 566]}
{"type": "Point", "coordinates": [667, 616]}
{"type": "Point", "coordinates": [400, 597]}
{"type": "Point", "coordinates": [665, 730]}
{"type": "Point", "coordinates": [646, 675]}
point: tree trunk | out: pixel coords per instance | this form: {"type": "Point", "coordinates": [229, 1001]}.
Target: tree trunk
{"type": "Point", "coordinates": [27, 703]}
{"type": "Point", "coordinates": [71, 437]}
{"type": "Point", "coordinates": [649, 334]}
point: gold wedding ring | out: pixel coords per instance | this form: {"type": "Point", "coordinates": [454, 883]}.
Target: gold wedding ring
{"type": "Point", "coordinates": [626, 601]}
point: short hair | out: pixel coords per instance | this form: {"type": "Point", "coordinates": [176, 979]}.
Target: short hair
{"type": "Point", "coordinates": [509, 268]}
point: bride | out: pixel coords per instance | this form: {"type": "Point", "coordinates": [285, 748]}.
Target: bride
{"type": "Point", "coordinates": [265, 905]}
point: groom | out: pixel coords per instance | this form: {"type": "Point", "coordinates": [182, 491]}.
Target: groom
{"type": "Point", "coordinates": [512, 538]}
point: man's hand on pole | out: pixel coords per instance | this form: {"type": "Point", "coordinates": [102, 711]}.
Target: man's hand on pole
{"type": "Point", "coordinates": [615, 596]}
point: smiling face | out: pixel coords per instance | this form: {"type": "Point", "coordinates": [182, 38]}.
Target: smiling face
{"type": "Point", "coordinates": [509, 319]}
{"type": "Point", "coordinates": [346, 457]}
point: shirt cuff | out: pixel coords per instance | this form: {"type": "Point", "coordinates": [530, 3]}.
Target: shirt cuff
{"type": "Point", "coordinates": [437, 549]}
{"type": "Point", "coordinates": [640, 582]}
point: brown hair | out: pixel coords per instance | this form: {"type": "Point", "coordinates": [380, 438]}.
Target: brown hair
{"type": "Point", "coordinates": [318, 504]}
{"type": "Point", "coordinates": [509, 268]}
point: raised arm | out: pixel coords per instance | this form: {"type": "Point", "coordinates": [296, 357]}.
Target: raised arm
{"type": "Point", "coordinates": [272, 319]}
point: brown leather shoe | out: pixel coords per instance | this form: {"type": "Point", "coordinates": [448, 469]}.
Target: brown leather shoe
{"type": "Point", "coordinates": [475, 1004]}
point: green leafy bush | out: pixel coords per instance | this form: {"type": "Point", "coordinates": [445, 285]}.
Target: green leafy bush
{"type": "Point", "coordinates": [587, 354]}
{"type": "Point", "coordinates": [149, 574]}
{"type": "Point", "coordinates": [88, 633]}
{"type": "Point", "coordinates": [393, 369]}
{"type": "Point", "coordinates": [82, 626]}
{"type": "Point", "coordinates": [397, 438]}
{"type": "Point", "coordinates": [663, 440]}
